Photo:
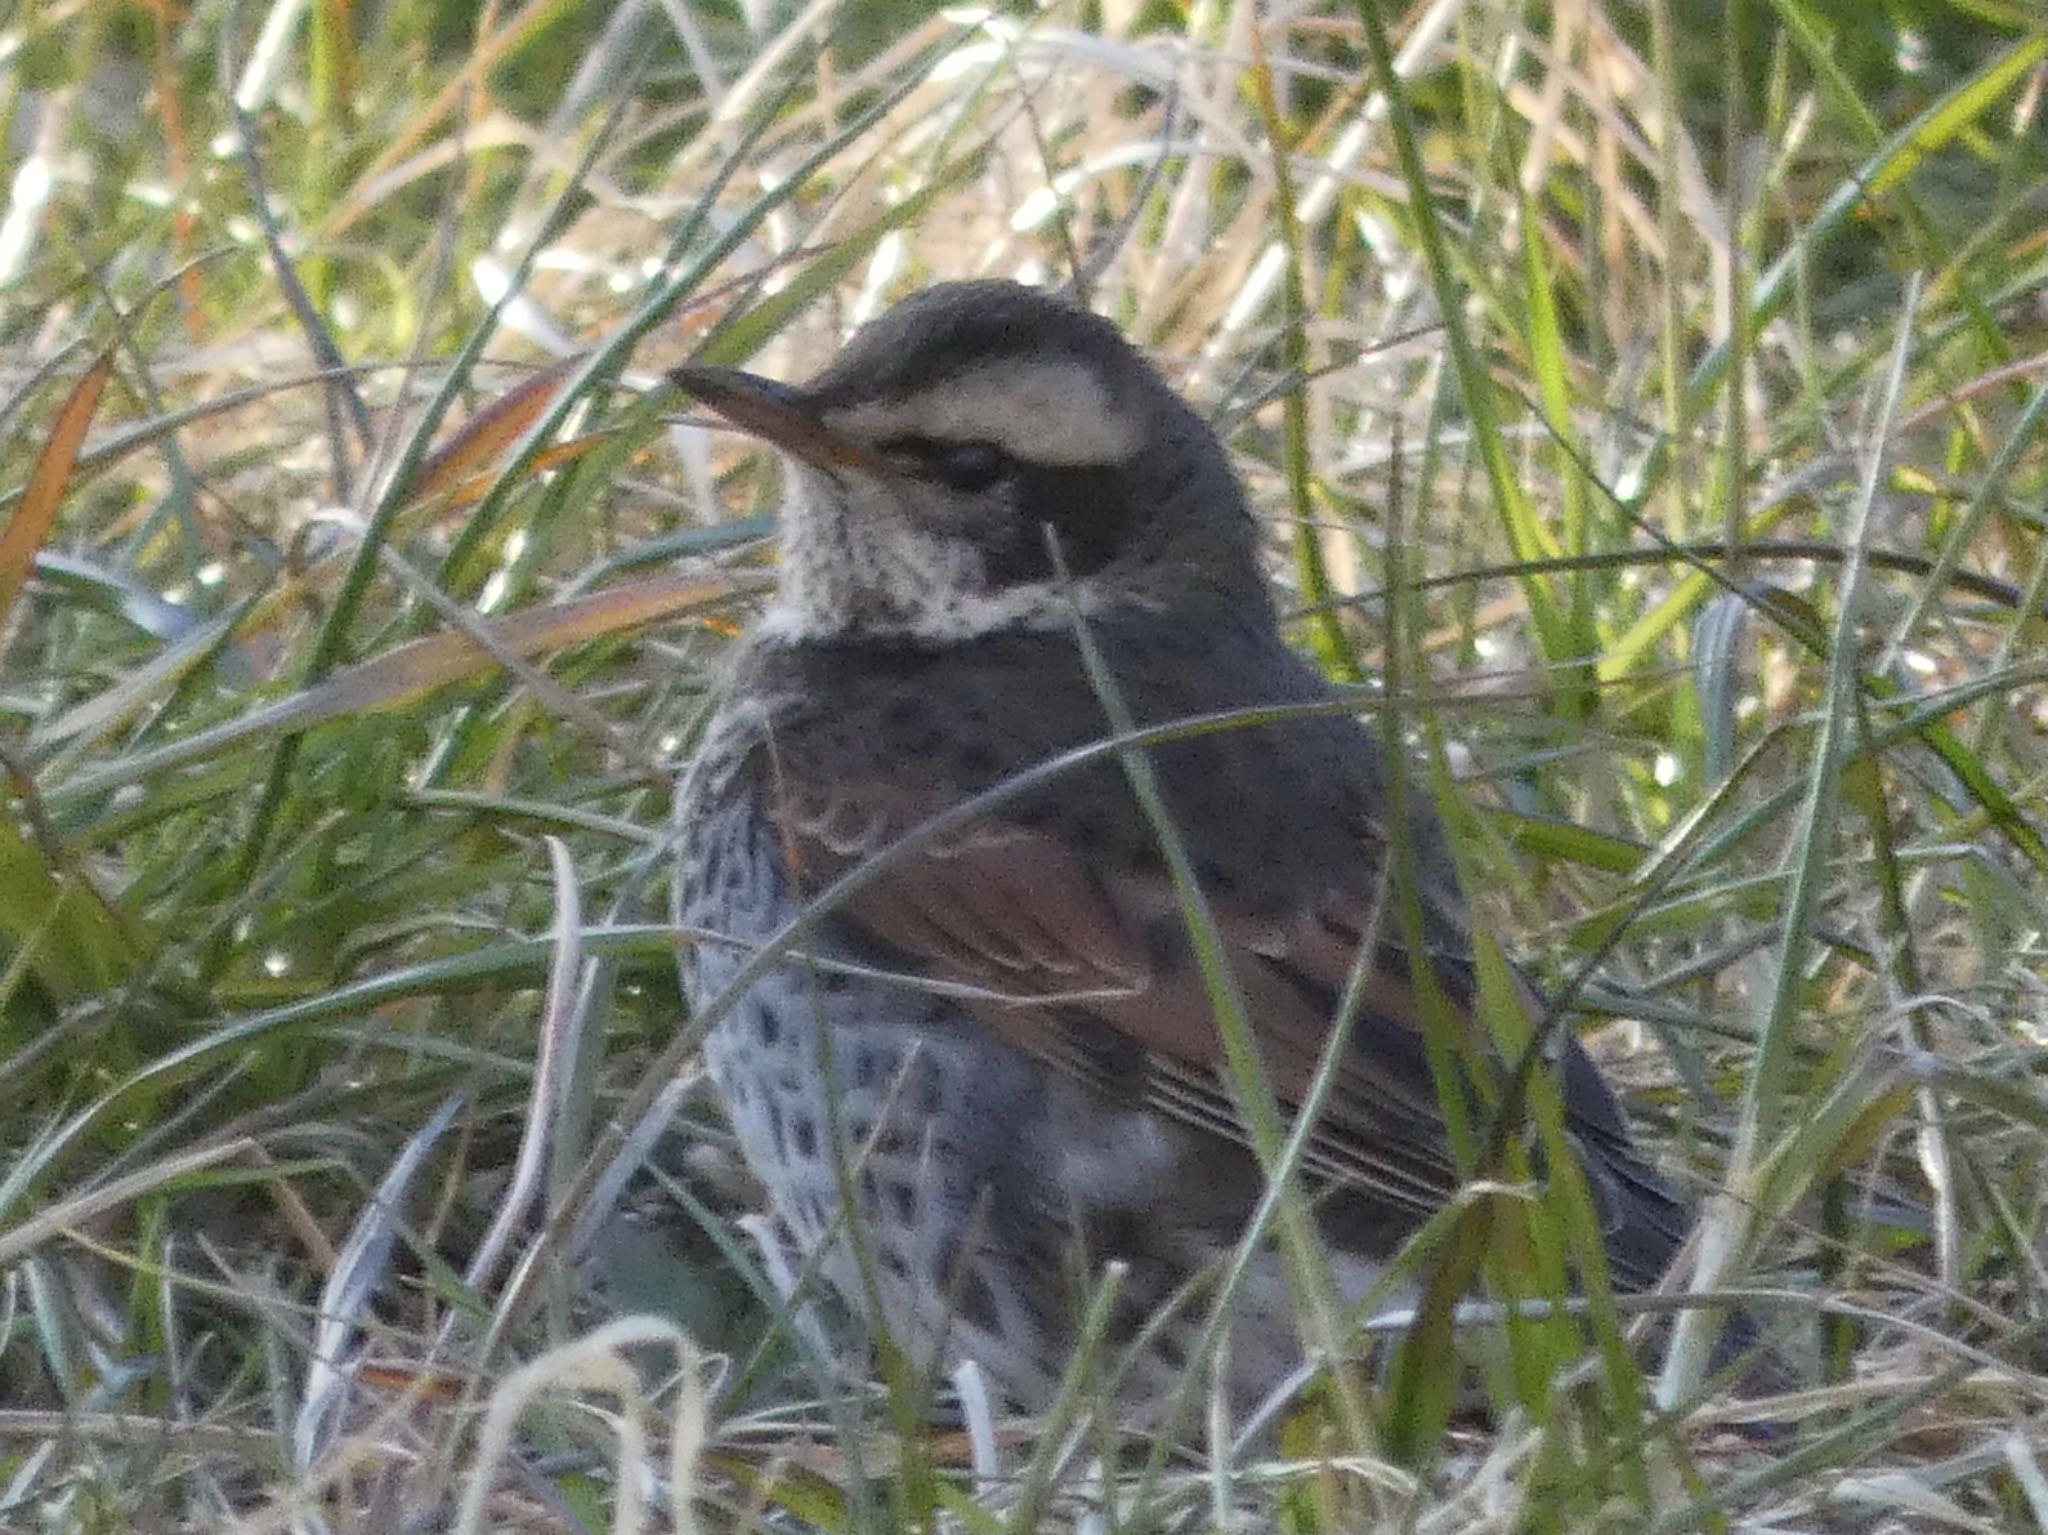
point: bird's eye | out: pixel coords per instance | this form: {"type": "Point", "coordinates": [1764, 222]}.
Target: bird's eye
{"type": "Point", "coordinates": [961, 466]}
{"type": "Point", "coordinates": [970, 465]}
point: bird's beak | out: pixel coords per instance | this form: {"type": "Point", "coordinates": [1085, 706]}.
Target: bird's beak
{"type": "Point", "coordinates": [776, 413]}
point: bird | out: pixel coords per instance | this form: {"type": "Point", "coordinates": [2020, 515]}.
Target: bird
{"type": "Point", "coordinates": [991, 1066]}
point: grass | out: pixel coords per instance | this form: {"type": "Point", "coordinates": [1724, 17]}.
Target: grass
{"type": "Point", "coordinates": [361, 588]}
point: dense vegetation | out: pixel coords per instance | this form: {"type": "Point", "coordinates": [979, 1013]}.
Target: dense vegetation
{"type": "Point", "coordinates": [1678, 368]}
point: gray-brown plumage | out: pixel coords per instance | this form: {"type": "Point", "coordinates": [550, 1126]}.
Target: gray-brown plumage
{"type": "Point", "coordinates": [1056, 1104]}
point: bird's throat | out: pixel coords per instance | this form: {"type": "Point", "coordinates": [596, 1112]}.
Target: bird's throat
{"type": "Point", "coordinates": [852, 572]}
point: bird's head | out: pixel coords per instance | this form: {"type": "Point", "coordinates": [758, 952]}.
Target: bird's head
{"type": "Point", "coordinates": [962, 437]}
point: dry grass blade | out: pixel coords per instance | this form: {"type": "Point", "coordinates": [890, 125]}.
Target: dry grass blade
{"type": "Point", "coordinates": [36, 512]}
{"type": "Point", "coordinates": [361, 1267]}
{"type": "Point", "coordinates": [479, 441]}
{"type": "Point", "coordinates": [409, 672]}
{"type": "Point", "coordinates": [557, 1049]}
{"type": "Point", "coordinates": [598, 1362]}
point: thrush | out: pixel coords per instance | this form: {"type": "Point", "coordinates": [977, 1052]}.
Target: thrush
{"type": "Point", "coordinates": [999, 1052]}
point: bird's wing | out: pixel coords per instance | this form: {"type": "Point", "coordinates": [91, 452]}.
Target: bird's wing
{"type": "Point", "coordinates": [1057, 907]}
{"type": "Point", "coordinates": [1085, 962]}
{"type": "Point", "coordinates": [1076, 964]}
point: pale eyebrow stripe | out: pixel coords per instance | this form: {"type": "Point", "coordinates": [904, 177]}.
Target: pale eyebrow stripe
{"type": "Point", "coordinates": [1040, 412]}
